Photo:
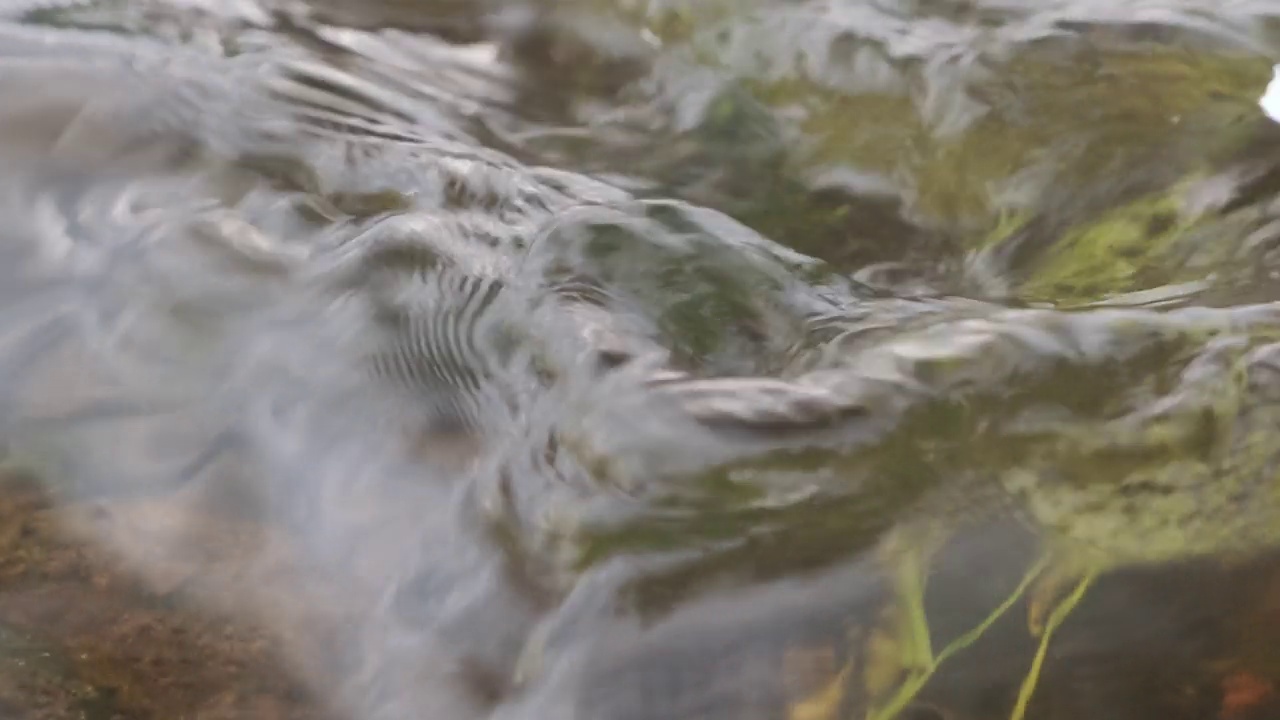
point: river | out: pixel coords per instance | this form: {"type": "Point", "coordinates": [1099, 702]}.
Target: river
{"type": "Point", "coordinates": [640, 359]}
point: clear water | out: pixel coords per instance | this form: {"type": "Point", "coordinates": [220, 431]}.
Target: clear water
{"type": "Point", "coordinates": [608, 359]}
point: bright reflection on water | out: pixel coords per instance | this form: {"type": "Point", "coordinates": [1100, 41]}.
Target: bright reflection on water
{"type": "Point", "coordinates": [1270, 100]}
{"type": "Point", "coordinates": [639, 359]}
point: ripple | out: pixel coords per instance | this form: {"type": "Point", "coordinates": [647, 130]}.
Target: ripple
{"type": "Point", "coordinates": [454, 348]}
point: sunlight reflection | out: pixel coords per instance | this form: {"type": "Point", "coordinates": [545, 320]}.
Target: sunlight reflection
{"type": "Point", "coordinates": [1270, 101]}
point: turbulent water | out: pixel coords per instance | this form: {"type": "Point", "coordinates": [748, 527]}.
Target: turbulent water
{"type": "Point", "coordinates": [457, 343]}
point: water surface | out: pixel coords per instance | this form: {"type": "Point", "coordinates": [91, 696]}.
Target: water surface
{"type": "Point", "coordinates": [639, 359]}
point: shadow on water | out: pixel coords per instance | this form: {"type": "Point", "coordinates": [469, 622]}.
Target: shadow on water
{"type": "Point", "coordinates": [639, 359]}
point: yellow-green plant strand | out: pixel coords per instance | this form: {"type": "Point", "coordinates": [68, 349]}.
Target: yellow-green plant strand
{"type": "Point", "coordinates": [912, 685]}
{"type": "Point", "coordinates": [912, 586]}
{"type": "Point", "coordinates": [1056, 618]}
{"type": "Point", "coordinates": [972, 636]}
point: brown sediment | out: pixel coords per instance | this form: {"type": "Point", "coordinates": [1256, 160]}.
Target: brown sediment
{"type": "Point", "coordinates": [81, 637]}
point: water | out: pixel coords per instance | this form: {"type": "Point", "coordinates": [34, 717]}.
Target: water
{"type": "Point", "coordinates": [1270, 101]}
{"type": "Point", "coordinates": [639, 359]}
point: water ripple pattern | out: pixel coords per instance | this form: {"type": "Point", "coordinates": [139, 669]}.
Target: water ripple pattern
{"type": "Point", "coordinates": [502, 330]}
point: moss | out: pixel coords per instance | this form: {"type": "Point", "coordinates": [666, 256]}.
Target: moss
{"type": "Point", "coordinates": [1109, 255]}
{"type": "Point", "coordinates": [1080, 122]}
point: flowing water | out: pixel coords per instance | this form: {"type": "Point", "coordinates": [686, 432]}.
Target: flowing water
{"type": "Point", "coordinates": [639, 359]}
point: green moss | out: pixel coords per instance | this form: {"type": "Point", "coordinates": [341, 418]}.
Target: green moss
{"type": "Point", "coordinates": [1162, 112]}
{"type": "Point", "coordinates": [1110, 255]}
{"type": "Point", "coordinates": [1191, 479]}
